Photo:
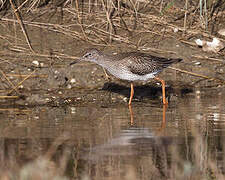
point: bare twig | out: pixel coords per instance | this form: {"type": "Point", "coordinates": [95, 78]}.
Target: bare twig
{"type": "Point", "coordinates": [28, 76]}
{"type": "Point", "coordinates": [185, 15]}
{"type": "Point", "coordinates": [21, 5]}
{"type": "Point", "coordinates": [21, 25]}
{"type": "Point", "coordinates": [198, 75]}
{"type": "Point", "coordinates": [9, 97]}
{"type": "Point", "coordinates": [9, 81]}
{"type": "Point", "coordinates": [208, 58]}
{"type": "Point", "coordinates": [25, 75]}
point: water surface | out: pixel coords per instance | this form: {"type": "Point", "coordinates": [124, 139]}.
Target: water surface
{"type": "Point", "coordinates": [105, 142]}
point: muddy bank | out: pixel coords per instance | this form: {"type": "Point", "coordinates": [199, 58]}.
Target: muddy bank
{"type": "Point", "coordinates": [44, 76]}
{"type": "Point", "coordinates": [87, 82]}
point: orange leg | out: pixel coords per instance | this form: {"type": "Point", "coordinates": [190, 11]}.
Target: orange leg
{"type": "Point", "coordinates": [131, 116]}
{"type": "Point", "coordinates": [163, 90]}
{"type": "Point", "coordinates": [131, 92]}
{"type": "Point", "coordinates": [164, 116]}
{"type": "Point", "coordinates": [163, 126]}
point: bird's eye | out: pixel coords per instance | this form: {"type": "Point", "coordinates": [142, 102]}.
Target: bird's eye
{"type": "Point", "coordinates": [87, 55]}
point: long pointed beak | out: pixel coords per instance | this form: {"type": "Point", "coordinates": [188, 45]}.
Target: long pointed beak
{"type": "Point", "coordinates": [75, 62]}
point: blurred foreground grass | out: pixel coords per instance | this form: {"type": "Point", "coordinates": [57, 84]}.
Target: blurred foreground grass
{"type": "Point", "coordinates": [63, 160]}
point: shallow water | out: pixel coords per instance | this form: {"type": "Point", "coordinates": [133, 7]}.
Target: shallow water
{"type": "Point", "coordinates": [106, 141]}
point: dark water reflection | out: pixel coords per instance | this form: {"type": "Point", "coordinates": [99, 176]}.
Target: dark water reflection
{"type": "Point", "coordinates": [105, 144]}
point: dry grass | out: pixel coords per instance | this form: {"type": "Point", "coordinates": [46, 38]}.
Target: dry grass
{"type": "Point", "coordinates": [113, 20]}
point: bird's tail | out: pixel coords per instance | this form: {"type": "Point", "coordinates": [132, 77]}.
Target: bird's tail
{"type": "Point", "coordinates": [165, 62]}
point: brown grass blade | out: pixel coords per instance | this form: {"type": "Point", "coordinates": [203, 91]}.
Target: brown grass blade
{"type": "Point", "coordinates": [13, 86]}
{"type": "Point", "coordinates": [198, 75]}
{"type": "Point", "coordinates": [18, 16]}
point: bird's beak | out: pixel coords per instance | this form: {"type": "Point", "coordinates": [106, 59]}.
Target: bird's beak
{"type": "Point", "coordinates": [75, 62]}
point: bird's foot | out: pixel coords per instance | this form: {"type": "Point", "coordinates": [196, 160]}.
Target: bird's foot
{"type": "Point", "coordinates": [107, 77]}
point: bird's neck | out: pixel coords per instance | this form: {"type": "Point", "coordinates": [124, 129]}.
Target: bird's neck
{"type": "Point", "coordinates": [104, 61]}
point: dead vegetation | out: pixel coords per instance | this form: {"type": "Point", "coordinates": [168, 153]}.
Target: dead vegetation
{"type": "Point", "coordinates": [103, 22]}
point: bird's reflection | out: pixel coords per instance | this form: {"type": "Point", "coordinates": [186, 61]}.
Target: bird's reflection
{"type": "Point", "coordinates": [131, 138]}
{"type": "Point", "coordinates": [163, 116]}
{"type": "Point", "coordinates": [135, 142]}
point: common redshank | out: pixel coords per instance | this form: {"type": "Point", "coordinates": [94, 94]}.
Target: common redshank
{"type": "Point", "coordinates": [131, 66]}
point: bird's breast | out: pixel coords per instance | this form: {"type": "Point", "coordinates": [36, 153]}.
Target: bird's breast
{"type": "Point", "coordinates": [126, 74]}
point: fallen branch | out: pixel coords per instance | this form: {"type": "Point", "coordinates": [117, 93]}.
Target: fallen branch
{"type": "Point", "coordinates": [198, 75]}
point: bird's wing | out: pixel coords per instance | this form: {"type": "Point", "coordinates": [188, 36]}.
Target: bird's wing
{"type": "Point", "coordinates": [142, 64]}
{"type": "Point", "coordinates": [164, 62]}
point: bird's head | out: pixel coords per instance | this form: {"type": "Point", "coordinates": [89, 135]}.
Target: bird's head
{"type": "Point", "coordinates": [91, 55]}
